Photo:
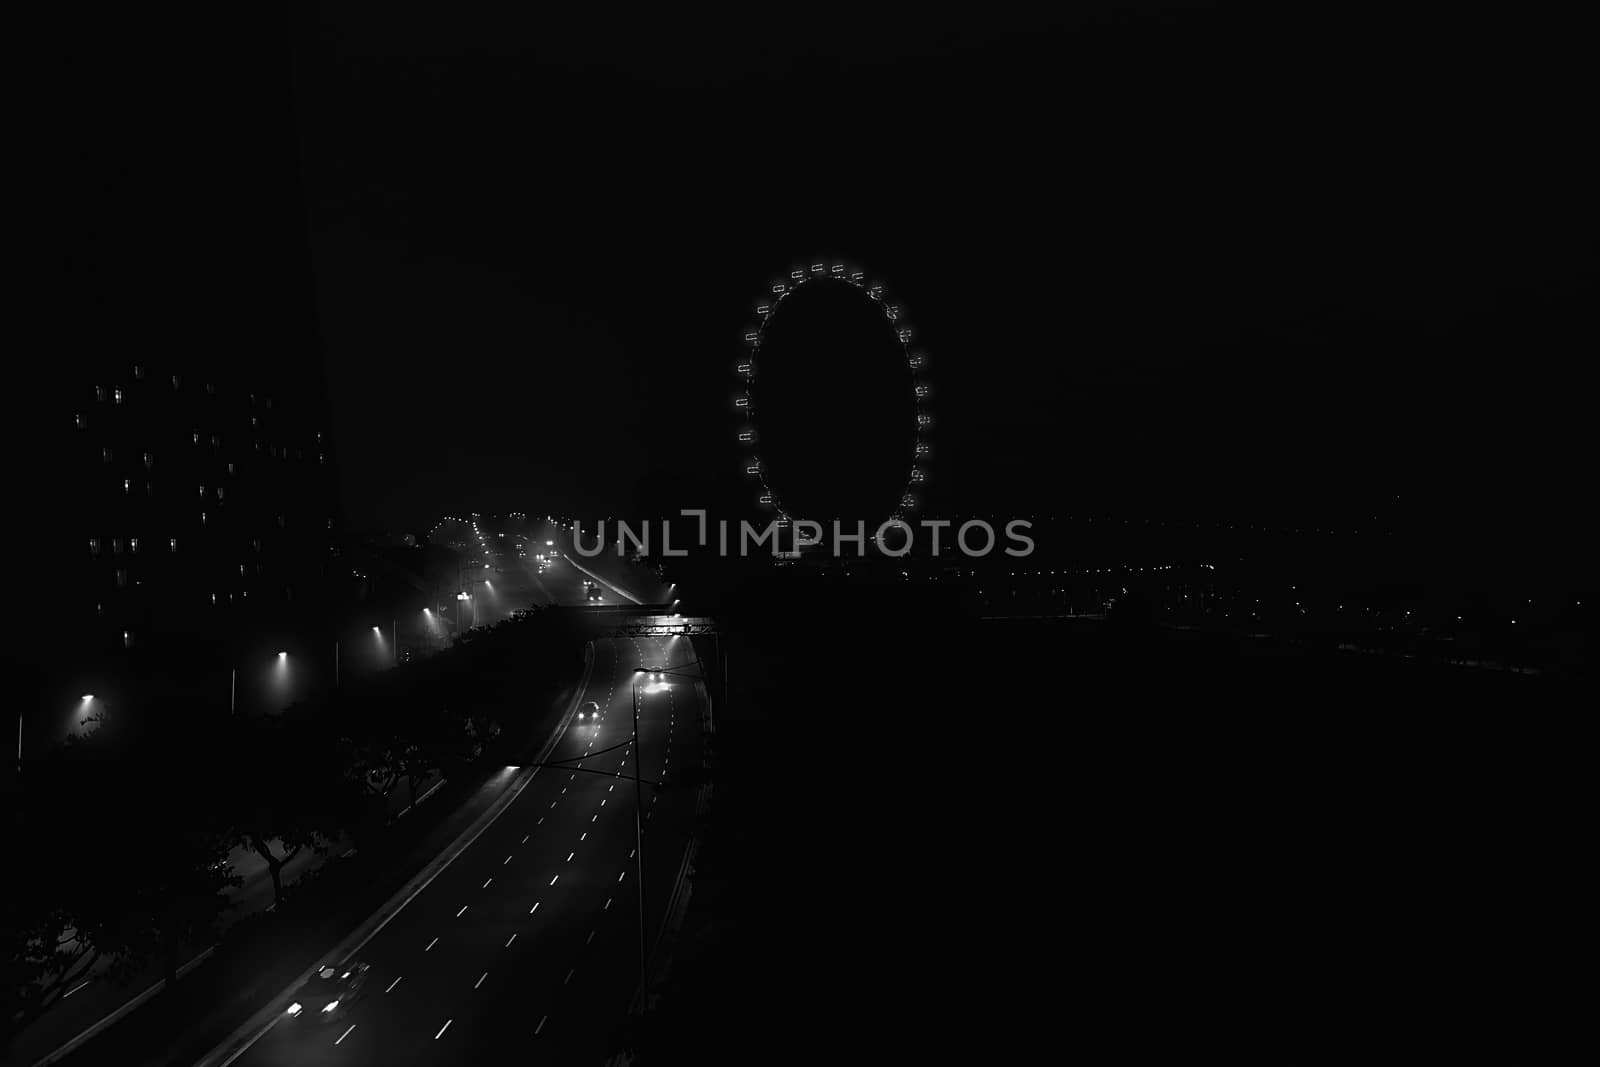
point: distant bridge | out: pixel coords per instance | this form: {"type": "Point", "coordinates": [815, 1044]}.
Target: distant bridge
{"type": "Point", "coordinates": [666, 626]}
{"type": "Point", "coordinates": [645, 620]}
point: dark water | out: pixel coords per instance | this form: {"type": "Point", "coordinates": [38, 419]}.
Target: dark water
{"type": "Point", "coordinates": [1021, 841]}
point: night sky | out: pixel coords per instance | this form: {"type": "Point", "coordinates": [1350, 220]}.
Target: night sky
{"type": "Point", "coordinates": [1165, 260]}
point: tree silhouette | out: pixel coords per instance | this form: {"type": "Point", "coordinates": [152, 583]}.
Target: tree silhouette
{"type": "Point", "coordinates": [290, 791]}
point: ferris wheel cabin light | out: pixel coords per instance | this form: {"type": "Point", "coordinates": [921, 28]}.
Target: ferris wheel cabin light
{"type": "Point", "coordinates": [746, 369]}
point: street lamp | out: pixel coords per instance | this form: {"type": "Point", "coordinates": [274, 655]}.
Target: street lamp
{"type": "Point", "coordinates": [638, 816]}
{"type": "Point", "coordinates": [377, 633]}
{"type": "Point", "coordinates": [638, 838]}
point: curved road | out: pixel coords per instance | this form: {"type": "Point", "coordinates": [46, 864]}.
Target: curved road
{"type": "Point", "coordinates": [527, 945]}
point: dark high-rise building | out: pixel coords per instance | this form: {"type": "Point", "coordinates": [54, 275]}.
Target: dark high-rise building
{"type": "Point", "coordinates": [180, 428]}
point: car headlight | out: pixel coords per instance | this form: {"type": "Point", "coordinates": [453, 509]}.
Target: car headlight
{"type": "Point", "coordinates": [329, 1006]}
{"type": "Point", "coordinates": [295, 1008]}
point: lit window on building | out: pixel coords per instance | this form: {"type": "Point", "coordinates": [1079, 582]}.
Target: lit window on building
{"type": "Point", "coordinates": [122, 578]}
{"type": "Point", "coordinates": [322, 457]}
{"type": "Point", "coordinates": [216, 441]}
{"type": "Point", "coordinates": [116, 546]}
{"type": "Point", "coordinates": [255, 542]}
{"type": "Point", "coordinates": [100, 392]}
{"type": "Point", "coordinates": [127, 485]}
{"type": "Point", "coordinates": [241, 569]}
{"type": "Point", "coordinates": [176, 381]}
{"type": "Point", "coordinates": [202, 490]}
{"type": "Point", "coordinates": [230, 469]}
{"type": "Point", "coordinates": [116, 395]}
{"type": "Point", "coordinates": [138, 372]}
{"type": "Point", "coordinates": [202, 518]}
{"type": "Point", "coordinates": [127, 639]}
{"type": "Point", "coordinates": [172, 544]}
{"type": "Point", "coordinates": [254, 421]}
{"type": "Point", "coordinates": [196, 438]}
{"type": "Point", "coordinates": [81, 421]}
{"type": "Point", "coordinates": [105, 455]}
{"type": "Point", "coordinates": [133, 544]}
{"type": "Point", "coordinates": [213, 598]}
{"type": "Point", "coordinates": [219, 492]}
{"type": "Point", "coordinates": [94, 546]}
{"type": "Point", "coordinates": [149, 460]}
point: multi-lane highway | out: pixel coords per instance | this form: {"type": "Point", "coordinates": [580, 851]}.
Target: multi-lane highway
{"type": "Point", "coordinates": [527, 944]}
{"type": "Point", "coordinates": [509, 572]}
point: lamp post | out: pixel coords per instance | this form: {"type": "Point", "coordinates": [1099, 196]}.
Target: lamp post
{"type": "Point", "coordinates": [638, 841]}
{"type": "Point", "coordinates": [638, 817]}
{"type": "Point", "coordinates": [722, 666]}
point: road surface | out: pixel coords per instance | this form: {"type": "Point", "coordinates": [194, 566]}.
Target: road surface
{"type": "Point", "coordinates": [527, 945]}
{"type": "Point", "coordinates": [508, 585]}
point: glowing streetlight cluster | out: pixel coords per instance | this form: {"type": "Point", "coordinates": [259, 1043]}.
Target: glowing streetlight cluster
{"type": "Point", "coordinates": [916, 363]}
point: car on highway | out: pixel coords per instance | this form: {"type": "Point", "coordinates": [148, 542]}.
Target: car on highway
{"type": "Point", "coordinates": [591, 591]}
{"type": "Point", "coordinates": [589, 711]}
{"type": "Point", "coordinates": [223, 869]}
{"type": "Point", "coordinates": [332, 991]}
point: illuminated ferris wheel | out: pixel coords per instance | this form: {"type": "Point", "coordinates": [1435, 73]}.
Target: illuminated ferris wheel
{"type": "Point", "coordinates": [916, 362]}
